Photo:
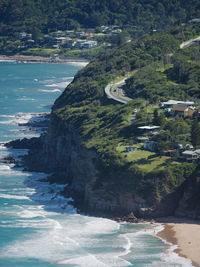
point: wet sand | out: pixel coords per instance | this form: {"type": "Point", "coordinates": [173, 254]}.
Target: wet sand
{"type": "Point", "coordinates": [185, 234]}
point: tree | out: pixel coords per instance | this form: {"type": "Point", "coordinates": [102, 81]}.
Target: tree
{"type": "Point", "coordinates": [195, 133]}
{"type": "Point", "coordinates": [159, 119]}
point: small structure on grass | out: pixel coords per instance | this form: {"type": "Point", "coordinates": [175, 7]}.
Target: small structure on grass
{"type": "Point", "coordinates": [130, 149]}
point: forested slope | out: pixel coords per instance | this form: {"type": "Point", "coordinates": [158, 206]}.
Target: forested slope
{"type": "Point", "coordinates": [48, 15]}
{"type": "Point", "coordinates": [159, 71]}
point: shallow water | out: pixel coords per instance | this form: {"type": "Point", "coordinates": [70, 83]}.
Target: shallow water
{"type": "Point", "coordinates": [37, 225]}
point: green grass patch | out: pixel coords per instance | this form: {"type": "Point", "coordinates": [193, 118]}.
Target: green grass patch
{"type": "Point", "coordinates": [158, 163]}
{"type": "Point", "coordinates": [143, 159]}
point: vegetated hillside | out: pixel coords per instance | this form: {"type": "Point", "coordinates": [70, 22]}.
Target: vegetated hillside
{"type": "Point", "coordinates": [160, 71]}
{"type": "Point", "coordinates": [90, 82]}
{"type": "Point", "coordinates": [43, 16]}
{"type": "Point", "coordinates": [180, 74]}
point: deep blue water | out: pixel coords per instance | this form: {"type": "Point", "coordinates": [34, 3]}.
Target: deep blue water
{"type": "Point", "coordinates": [37, 226]}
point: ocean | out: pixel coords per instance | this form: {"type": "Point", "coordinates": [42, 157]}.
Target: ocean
{"type": "Point", "coordinates": [38, 226]}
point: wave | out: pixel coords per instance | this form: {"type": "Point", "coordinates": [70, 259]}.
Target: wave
{"type": "Point", "coordinates": [4, 168]}
{"type": "Point", "coordinates": [23, 118]}
{"type": "Point", "coordinates": [59, 84]}
{"type": "Point", "coordinates": [25, 99]}
{"type": "Point", "coordinates": [8, 196]}
{"type": "Point", "coordinates": [67, 78]}
{"type": "Point", "coordinates": [7, 116]}
{"type": "Point", "coordinates": [81, 64]}
{"type": "Point", "coordinates": [49, 91]}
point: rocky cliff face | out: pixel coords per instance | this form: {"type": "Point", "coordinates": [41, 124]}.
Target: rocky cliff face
{"type": "Point", "coordinates": [62, 153]}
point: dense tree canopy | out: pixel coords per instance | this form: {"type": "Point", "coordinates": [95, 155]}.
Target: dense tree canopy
{"type": "Point", "coordinates": [48, 15]}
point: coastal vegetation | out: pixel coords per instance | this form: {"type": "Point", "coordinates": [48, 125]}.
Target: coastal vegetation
{"type": "Point", "coordinates": [141, 43]}
{"type": "Point", "coordinates": [159, 70]}
{"type": "Point", "coordinates": [44, 16]}
{"type": "Point", "coordinates": [34, 27]}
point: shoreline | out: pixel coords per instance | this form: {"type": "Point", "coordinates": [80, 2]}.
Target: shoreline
{"type": "Point", "coordinates": [185, 234]}
{"type": "Point", "coordinates": [40, 59]}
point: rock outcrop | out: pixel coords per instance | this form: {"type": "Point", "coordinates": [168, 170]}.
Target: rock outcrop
{"type": "Point", "coordinates": [61, 152]}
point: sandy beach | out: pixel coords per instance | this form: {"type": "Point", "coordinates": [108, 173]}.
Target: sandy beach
{"type": "Point", "coordinates": [185, 234]}
{"type": "Point", "coordinates": [22, 58]}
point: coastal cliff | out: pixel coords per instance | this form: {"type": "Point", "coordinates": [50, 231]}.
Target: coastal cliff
{"type": "Point", "coordinates": [85, 146]}
{"type": "Point", "coordinates": [62, 153]}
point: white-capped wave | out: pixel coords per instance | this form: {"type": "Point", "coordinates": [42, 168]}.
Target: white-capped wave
{"type": "Point", "coordinates": [7, 116]}
{"type": "Point", "coordinates": [67, 78]}
{"type": "Point", "coordinates": [83, 261]}
{"type": "Point", "coordinates": [22, 118]}
{"type": "Point", "coordinates": [59, 84]}
{"type": "Point", "coordinates": [81, 64]}
{"type": "Point", "coordinates": [8, 196]}
{"type": "Point", "coordinates": [50, 91]}
{"type": "Point", "coordinates": [2, 146]}
{"type": "Point", "coordinates": [5, 168]}
{"type": "Point", "coordinates": [25, 99]}
{"type": "Point", "coordinates": [51, 85]}
{"type": "Point", "coordinates": [100, 226]}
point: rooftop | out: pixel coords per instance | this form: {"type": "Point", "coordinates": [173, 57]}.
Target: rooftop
{"type": "Point", "coordinates": [175, 102]}
{"type": "Point", "coordinates": [149, 127]}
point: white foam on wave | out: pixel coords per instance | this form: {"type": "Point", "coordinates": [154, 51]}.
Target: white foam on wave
{"type": "Point", "coordinates": [81, 64]}
{"type": "Point", "coordinates": [49, 91]}
{"type": "Point", "coordinates": [2, 146]}
{"type": "Point", "coordinates": [100, 226]}
{"type": "Point", "coordinates": [170, 257]}
{"type": "Point", "coordinates": [67, 78]}
{"type": "Point", "coordinates": [25, 99]}
{"type": "Point", "coordinates": [51, 85]}
{"type": "Point", "coordinates": [59, 243]}
{"type": "Point", "coordinates": [127, 246]}
{"type": "Point", "coordinates": [8, 196]}
{"type": "Point", "coordinates": [22, 118]}
{"type": "Point", "coordinates": [59, 84]}
{"type": "Point", "coordinates": [5, 168]}
{"type": "Point", "coordinates": [83, 261]}
{"type": "Point", "coordinates": [7, 116]}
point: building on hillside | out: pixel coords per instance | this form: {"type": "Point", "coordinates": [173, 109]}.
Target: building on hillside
{"type": "Point", "coordinates": [190, 156]}
{"type": "Point", "coordinates": [182, 111]}
{"type": "Point", "coordinates": [149, 129]}
{"type": "Point", "coordinates": [189, 147]}
{"type": "Point", "coordinates": [130, 149]}
{"type": "Point", "coordinates": [61, 40]}
{"type": "Point", "coordinates": [88, 44]}
{"type": "Point", "coordinates": [150, 145]}
{"type": "Point", "coordinates": [172, 103]}
{"type": "Point", "coordinates": [25, 36]}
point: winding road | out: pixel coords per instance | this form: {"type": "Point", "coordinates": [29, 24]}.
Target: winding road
{"type": "Point", "coordinates": [189, 42]}
{"type": "Point", "coordinates": [114, 90]}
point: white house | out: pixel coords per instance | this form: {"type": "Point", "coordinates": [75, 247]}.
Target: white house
{"type": "Point", "coordinates": [172, 103]}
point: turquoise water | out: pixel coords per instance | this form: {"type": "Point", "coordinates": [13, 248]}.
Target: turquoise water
{"type": "Point", "coordinates": [37, 225]}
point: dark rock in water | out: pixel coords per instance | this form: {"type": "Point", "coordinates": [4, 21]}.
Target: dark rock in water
{"type": "Point", "coordinates": [25, 143]}
{"type": "Point", "coordinates": [7, 160]}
